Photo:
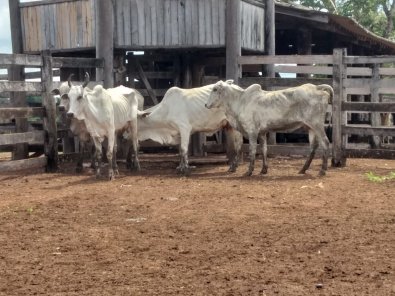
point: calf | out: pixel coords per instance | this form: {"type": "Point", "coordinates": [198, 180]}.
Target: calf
{"type": "Point", "coordinates": [256, 112]}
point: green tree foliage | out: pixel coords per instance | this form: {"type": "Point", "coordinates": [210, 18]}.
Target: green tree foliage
{"type": "Point", "coordinates": [375, 15]}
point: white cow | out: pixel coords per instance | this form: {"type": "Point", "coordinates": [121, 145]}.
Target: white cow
{"type": "Point", "coordinates": [181, 113]}
{"type": "Point", "coordinates": [78, 127]}
{"type": "Point", "coordinates": [256, 112]}
{"type": "Point", "coordinates": [105, 112]}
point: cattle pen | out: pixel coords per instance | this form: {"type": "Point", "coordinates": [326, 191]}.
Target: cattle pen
{"type": "Point", "coordinates": [375, 82]}
{"type": "Point", "coordinates": [155, 232]}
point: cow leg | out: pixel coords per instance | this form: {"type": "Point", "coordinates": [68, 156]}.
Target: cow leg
{"type": "Point", "coordinates": [324, 143]}
{"type": "Point", "coordinates": [253, 144]}
{"type": "Point", "coordinates": [313, 147]}
{"type": "Point", "coordinates": [135, 146]}
{"type": "Point", "coordinates": [263, 141]}
{"type": "Point", "coordinates": [80, 160]}
{"type": "Point", "coordinates": [109, 154]}
{"type": "Point", "coordinates": [183, 168]}
{"type": "Point", "coordinates": [98, 155]}
{"type": "Point", "coordinates": [234, 142]}
{"type": "Point", "coordinates": [114, 158]}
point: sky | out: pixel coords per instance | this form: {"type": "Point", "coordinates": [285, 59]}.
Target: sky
{"type": "Point", "coordinates": [5, 33]}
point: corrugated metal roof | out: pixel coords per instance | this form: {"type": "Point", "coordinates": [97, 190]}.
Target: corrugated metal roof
{"type": "Point", "coordinates": [342, 23]}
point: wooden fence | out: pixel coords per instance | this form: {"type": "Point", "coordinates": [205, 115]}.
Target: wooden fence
{"type": "Point", "coordinates": [355, 79]}
{"type": "Point", "coordinates": [49, 135]}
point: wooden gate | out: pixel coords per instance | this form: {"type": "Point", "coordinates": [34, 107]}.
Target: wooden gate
{"type": "Point", "coordinates": [48, 135]}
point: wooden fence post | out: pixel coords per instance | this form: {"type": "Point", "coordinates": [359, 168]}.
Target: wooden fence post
{"type": "Point", "coordinates": [16, 73]}
{"type": "Point", "coordinates": [48, 102]}
{"type": "Point", "coordinates": [375, 97]}
{"type": "Point", "coordinates": [338, 116]}
{"type": "Point", "coordinates": [233, 39]}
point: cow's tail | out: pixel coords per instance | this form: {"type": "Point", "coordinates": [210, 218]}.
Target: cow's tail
{"type": "Point", "coordinates": [328, 89]}
{"type": "Point", "coordinates": [329, 115]}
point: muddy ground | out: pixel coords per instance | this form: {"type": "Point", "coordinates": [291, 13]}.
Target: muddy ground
{"type": "Point", "coordinates": [214, 233]}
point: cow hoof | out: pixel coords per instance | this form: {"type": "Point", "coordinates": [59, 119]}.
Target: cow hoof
{"type": "Point", "coordinates": [264, 171]}
{"type": "Point", "coordinates": [184, 171]}
{"type": "Point", "coordinates": [302, 172]}
{"type": "Point", "coordinates": [322, 173]}
{"type": "Point", "coordinates": [116, 172]}
{"type": "Point", "coordinates": [247, 174]}
{"type": "Point", "coordinates": [129, 166]}
{"type": "Point", "coordinates": [78, 170]}
{"type": "Point", "coordinates": [232, 169]}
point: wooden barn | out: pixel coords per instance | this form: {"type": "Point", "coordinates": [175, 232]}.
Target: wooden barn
{"type": "Point", "coordinates": [152, 45]}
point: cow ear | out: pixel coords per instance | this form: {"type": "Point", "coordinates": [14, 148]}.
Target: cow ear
{"type": "Point", "coordinates": [229, 81]}
{"type": "Point", "coordinates": [55, 91]}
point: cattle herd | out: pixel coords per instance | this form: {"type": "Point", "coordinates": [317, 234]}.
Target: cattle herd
{"type": "Point", "coordinates": [98, 114]}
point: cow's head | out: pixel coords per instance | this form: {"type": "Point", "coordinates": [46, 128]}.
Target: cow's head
{"type": "Point", "coordinates": [217, 94]}
{"type": "Point", "coordinates": [76, 98]}
{"type": "Point", "coordinates": [63, 92]}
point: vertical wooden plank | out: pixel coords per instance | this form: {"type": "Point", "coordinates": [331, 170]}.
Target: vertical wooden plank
{"type": "Point", "coordinates": [141, 22]}
{"type": "Point", "coordinates": [375, 97]}
{"type": "Point", "coordinates": [222, 21]}
{"type": "Point", "coordinates": [148, 22]}
{"type": "Point", "coordinates": [339, 75]}
{"type": "Point", "coordinates": [167, 20]}
{"type": "Point", "coordinates": [134, 23]}
{"type": "Point", "coordinates": [51, 141]}
{"type": "Point", "coordinates": [195, 22]}
{"type": "Point", "coordinates": [209, 22]}
{"type": "Point", "coordinates": [52, 26]}
{"type": "Point", "coordinates": [105, 41]}
{"type": "Point", "coordinates": [233, 39]}
{"type": "Point", "coordinates": [160, 38]}
{"type": "Point", "coordinates": [215, 22]}
{"type": "Point", "coordinates": [202, 22]}
{"type": "Point", "coordinates": [16, 73]}
{"type": "Point", "coordinates": [174, 22]}
{"type": "Point", "coordinates": [270, 41]}
{"type": "Point", "coordinates": [181, 22]}
{"type": "Point", "coordinates": [154, 20]}
{"type": "Point", "coordinates": [126, 22]}
{"type": "Point", "coordinates": [188, 22]}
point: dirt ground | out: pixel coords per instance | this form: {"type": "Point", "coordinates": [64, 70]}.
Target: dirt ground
{"type": "Point", "coordinates": [213, 233]}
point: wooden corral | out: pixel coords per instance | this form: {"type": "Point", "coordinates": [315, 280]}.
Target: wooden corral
{"type": "Point", "coordinates": [189, 43]}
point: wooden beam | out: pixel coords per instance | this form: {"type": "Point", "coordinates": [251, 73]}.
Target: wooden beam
{"type": "Point", "coordinates": [369, 59]}
{"type": "Point", "coordinates": [44, 2]}
{"type": "Point", "coordinates": [367, 130]}
{"type": "Point", "coordinates": [339, 75]}
{"type": "Point", "coordinates": [146, 83]}
{"type": "Point", "coordinates": [286, 59]}
{"type": "Point", "coordinates": [233, 39]}
{"type": "Point", "coordinates": [270, 36]}
{"type": "Point", "coordinates": [16, 165]}
{"type": "Point", "coordinates": [77, 62]}
{"type": "Point", "coordinates": [33, 137]}
{"type": "Point", "coordinates": [51, 139]}
{"type": "Point", "coordinates": [20, 59]}
{"type": "Point", "coordinates": [266, 83]}
{"type": "Point", "coordinates": [368, 106]}
{"type": "Point", "coordinates": [370, 153]}
{"type": "Point", "coordinates": [105, 41]}
{"type": "Point", "coordinates": [20, 86]}
{"type": "Point", "coordinates": [12, 113]}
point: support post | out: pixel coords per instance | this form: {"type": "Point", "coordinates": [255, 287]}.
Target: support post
{"type": "Point", "coordinates": [270, 48]}
{"type": "Point", "coordinates": [49, 104]}
{"type": "Point", "coordinates": [233, 39]}
{"type": "Point", "coordinates": [105, 41]}
{"type": "Point", "coordinates": [338, 116]}
{"type": "Point", "coordinates": [16, 73]}
{"type": "Point", "coordinates": [270, 35]}
{"type": "Point", "coordinates": [375, 97]}
{"type": "Point", "coordinates": [198, 139]}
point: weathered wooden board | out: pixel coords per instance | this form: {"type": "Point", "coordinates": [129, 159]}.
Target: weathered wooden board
{"type": "Point", "coordinates": [34, 137]}
{"type": "Point", "coordinates": [30, 163]}
{"type": "Point", "coordinates": [58, 25]}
